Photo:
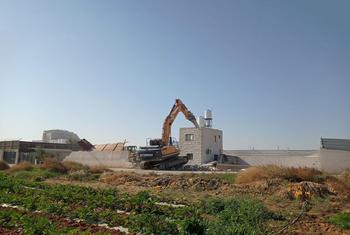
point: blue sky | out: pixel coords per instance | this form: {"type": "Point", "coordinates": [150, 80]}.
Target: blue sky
{"type": "Point", "coordinates": [275, 73]}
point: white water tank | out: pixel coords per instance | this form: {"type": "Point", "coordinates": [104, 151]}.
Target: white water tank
{"type": "Point", "coordinates": [201, 121]}
{"type": "Point", "coordinates": [208, 118]}
{"type": "Point", "coordinates": [208, 114]}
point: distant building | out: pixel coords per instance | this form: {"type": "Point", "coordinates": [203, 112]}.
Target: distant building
{"type": "Point", "coordinates": [60, 136]}
{"type": "Point", "coordinates": [201, 145]}
{"type": "Point", "coordinates": [14, 152]}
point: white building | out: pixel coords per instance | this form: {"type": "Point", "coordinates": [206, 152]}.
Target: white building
{"type": "Point", "coordinates": [201, 145]}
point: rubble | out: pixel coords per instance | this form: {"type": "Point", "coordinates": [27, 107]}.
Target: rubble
{"type": "Point", "coordinates": [197, 183]}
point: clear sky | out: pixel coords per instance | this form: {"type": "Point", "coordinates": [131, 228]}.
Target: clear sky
{"type": "Point", "coordinates": [275, 73]}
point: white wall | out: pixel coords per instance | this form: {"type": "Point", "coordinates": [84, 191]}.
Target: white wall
{"type": "Point", "coordinates": [208, 142]}
{"type": "Point", "coordinates": [98, 158]}
{"type": "Point", "coordinates": [288, 158]}
{"type": "Point", "coordinates": [334, 161]}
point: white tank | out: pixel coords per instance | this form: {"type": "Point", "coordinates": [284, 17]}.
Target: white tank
{"type": "Point", "coordinates": [208, 114]}
{"type": "Point", "coordinates": [201, 121]}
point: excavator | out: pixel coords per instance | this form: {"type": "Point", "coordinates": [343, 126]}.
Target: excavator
{"type": "Point", "coordinates": [162, 153]}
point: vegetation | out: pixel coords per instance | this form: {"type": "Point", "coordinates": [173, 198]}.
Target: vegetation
{"type": "Point", "coordinates": [52, 164]}
{"type": "Point", "coordinates": [227, 177]}
{"type": "Point", "coordinates": [227, 208]}
{"type": "Point", "coordinates": [141, 213]}
{"type": "Point", "coordinates": [22, 166]}
{"type": "Point", "coordinates": [4, 166]}
{"type": "Point", "coordinates": [292, 174]}
{"type": "Point", "coordinates": [237, 216]}
{"type": "Point", "coordinates": [341, 219]}
{"type": "Point", "coordinates": [74, 166]}
{"type": "Point", "coordinates": [345, 177]}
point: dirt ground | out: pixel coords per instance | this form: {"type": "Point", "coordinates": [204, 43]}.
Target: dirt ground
{"type": "Point", "coordinates": [324, 200]}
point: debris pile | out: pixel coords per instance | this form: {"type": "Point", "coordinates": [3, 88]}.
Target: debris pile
{"type": "Point", "coordinates": [197, 183]}
{"type": "Point", "coordinates": [306, 189]}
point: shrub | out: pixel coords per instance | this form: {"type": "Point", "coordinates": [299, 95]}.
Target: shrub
{"type": "Point", "coordinates": [53, 165]}
{"type": "Point", "coordinates": [345, 177]}
{"type": "Point", "coordinates": [342, 220]}
{"type": "Point", "coordinates": [74, 166]}
{"type": "Point", "coordinates": [22, 166]}
{"type": "Point", "coordinates": [4, 166]}
{"type": "Point", "coordinates": [98, 169]}
{"type": "Point", "coordinates": [293, 174]}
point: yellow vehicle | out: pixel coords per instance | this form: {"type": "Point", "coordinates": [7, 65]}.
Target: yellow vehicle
{"type": "Point", "coordinates": [162, 153]}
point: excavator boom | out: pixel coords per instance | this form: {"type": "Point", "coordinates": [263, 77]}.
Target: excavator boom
{"type": "Point", "coordinates": [169, 120]}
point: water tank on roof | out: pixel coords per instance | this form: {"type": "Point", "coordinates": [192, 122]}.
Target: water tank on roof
{"type": "Point", "coordinates": [208, 114]}
{"type": "Point", "coordinates": [201, 121]}
{"type": "Point", "coordinates": [208, 118]}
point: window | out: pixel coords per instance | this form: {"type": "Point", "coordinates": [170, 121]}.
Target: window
{"type": "Point", "coordinates": [215, 138]}
{"type": "Point", "coordinates": [10, 157]}
{"type": "Point", "coordinates": [219, 137]}
{"type": "Point", "coordinates": [189, 156]}
{"type": "Point", "coordinates": [189, 137]}
{"type": "Point", "coordinates": [208, 151]}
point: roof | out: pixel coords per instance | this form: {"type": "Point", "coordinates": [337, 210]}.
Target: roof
{"type": "Point", "coordinates": [335, 144]}
{"type": "Point", "coordinates": [110, 147]}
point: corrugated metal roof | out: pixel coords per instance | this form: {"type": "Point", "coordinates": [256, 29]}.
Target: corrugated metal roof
{"type": "Point", "coordinates": [336, 144]}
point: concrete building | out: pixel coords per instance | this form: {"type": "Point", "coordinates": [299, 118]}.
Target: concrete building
{"type": "Point", "coordinates": [60, 136]}
{"type": "Point", "coordinates": [201, 145]}
{"type": "Point", "coordinates": [14, 152]}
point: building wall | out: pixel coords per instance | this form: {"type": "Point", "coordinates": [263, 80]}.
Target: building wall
{"type": "Point", "coordinates": [334, 161]}
{"type": "Point", "coordinates": [288, 158]}
{"type": "Point", "coordinates": [204, 139]}
{"type": "Point", "coordinates": [212, 143]}
{"type": "Point", "coordinates": [191, 147]}
{"type": "Point", "coordinates": [98, 158]}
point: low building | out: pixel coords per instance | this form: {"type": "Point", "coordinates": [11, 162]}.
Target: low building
{"type": "Point", "coordinates": [201, 145]}
{"type": "Point", "coordinates": [16, 151]}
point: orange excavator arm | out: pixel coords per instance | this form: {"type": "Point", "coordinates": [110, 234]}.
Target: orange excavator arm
{"type": "Point", "coordinates": [178, 107]}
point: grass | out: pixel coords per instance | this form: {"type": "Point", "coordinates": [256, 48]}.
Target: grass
{"type": "Point", "coordinates": [34, 174]}
{"type": "Point", "coordinates": [292, 174]}
{"type": "Point", "coordinates": [237, 216]}
{"type": "Point", "coordinates": [342, 220]}
{"type": "Point", "coordinates": [4, 166]}
{"type": "Point", "coordinates": [227, 177]}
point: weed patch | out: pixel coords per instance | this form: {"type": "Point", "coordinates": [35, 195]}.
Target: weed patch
{"type": "Point", "coordinates": [342, 220]}
{"type": "Point", "coordinates": [292, 174]}
{"type": "Point", "coordinates": [53, 165]}
{"type": "Point", "coordinates": [22, 166]}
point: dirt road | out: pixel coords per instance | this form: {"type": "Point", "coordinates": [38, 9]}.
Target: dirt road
{"type": "Point", "coordinates": [159, 172]}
